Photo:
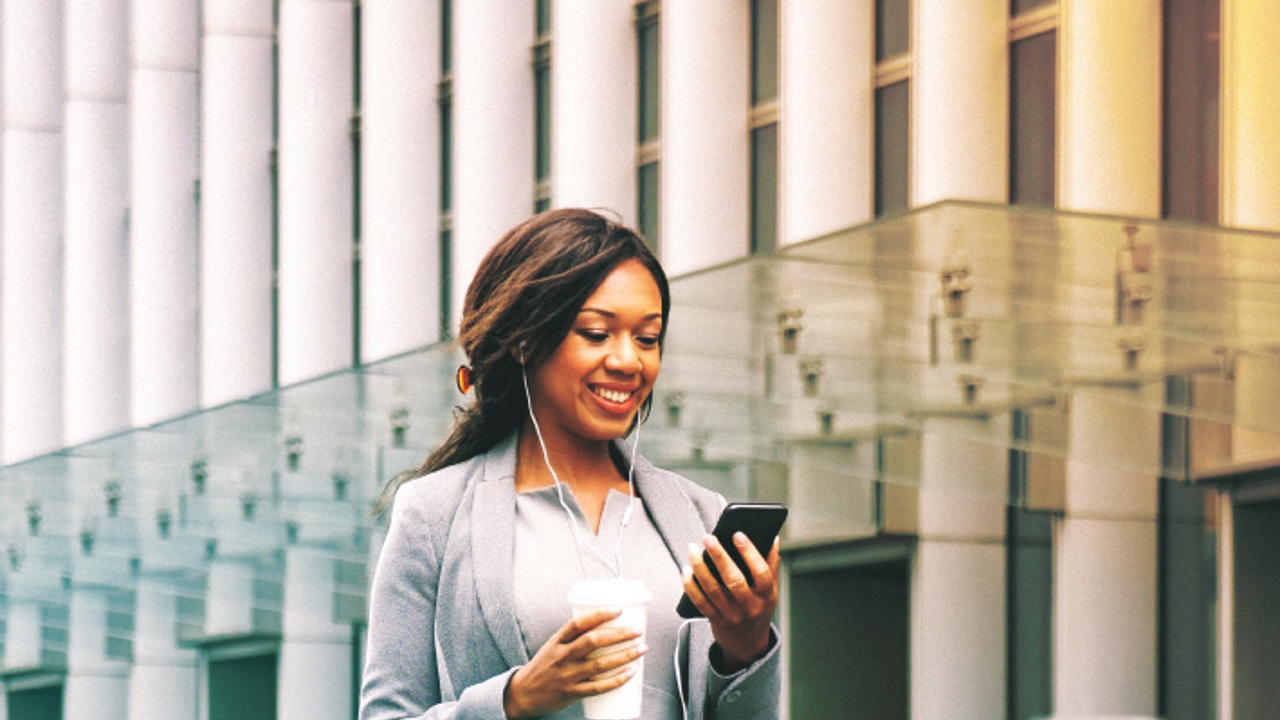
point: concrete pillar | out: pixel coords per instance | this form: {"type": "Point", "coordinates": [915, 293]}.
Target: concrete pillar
{"type": "Point", "coordinates": [1250, 114]}
{"type": "Point", "coordinates": [958, 649]}
{"type": "Point", "coordinates": [826, 62]}
{"type": "Point", "coordinates": [96, 264]}
{"type": "Point", "coordinates": [960, 101]}
{"type": "Point", "coordinates": [492, 130]}
{"type": "Point", "coordinates": [97, 686]}
{"type": "Point", "coordinates": [400, 177]}
{"type": "Point", "coordinates": [31, 301]}
{"type": "Point", "coordinates": [235, 200]}
{"type": "Point", "coordinates": [22, 642]}
{"type": "Point", "coordinates": [316, 203]}
{"type": "Point", "coordinates": [1109, 106]}
{"type": "Point", "coordinates": [315, 654]}
{"type": "Point", "coordinates": [1105, 574]}
{"type": "Point", "coordinates": [593, 115]}
{"type": "Point", "coordinates": [706, 97]}
{"type": "Point", "coordinates": [163, 682]}
{"type": "Point", "coordinates": [164, 175]}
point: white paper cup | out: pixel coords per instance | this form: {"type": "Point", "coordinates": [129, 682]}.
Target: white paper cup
{"type": "Point", "coordinates": [632, 598]}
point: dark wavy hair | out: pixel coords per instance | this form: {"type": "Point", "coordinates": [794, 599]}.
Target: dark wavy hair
{"type": "Point", "coordinates": [523, 302]}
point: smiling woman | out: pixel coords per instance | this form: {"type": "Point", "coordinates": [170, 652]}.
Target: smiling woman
{"type": "Point", "coordinates": [535, 490]}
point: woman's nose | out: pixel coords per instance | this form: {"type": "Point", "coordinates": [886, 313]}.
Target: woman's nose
{"type": "Point", "coordinates": [624, 358]}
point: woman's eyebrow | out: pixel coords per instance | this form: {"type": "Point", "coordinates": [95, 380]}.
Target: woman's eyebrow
{"type": "Point", "coordinates": [611, 314]}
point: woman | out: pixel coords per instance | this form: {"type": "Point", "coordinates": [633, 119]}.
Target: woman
{"type": "Point", "coordinates": [534, 490]}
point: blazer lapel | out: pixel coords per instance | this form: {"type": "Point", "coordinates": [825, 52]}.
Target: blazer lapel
{"type": "Point", "coordinates": [673, 511]}
{"type": "Point", "coordinates": [492, 545]}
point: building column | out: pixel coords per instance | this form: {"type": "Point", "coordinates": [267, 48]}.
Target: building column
{"type": "Point", "coordinates": [826, 54]}
{"type": "Point", "coordinates": [164, 175]}
{"type": "Point", "coordinates": [97, 685]}
{"type": "Point", "coordinates": [96, 263]}
{"type": "Point", "coordinates": [400, 180]}
{"type": "Point", "coordinates": [315, 654]}
{"type": "Point", "coordinates": [1250, 108]}
{"type": "Point", "coordinates": [236, 99]}
{"type": "Point", "coordinates": [958, 578]}
{"type": "Point", "coordinates": [492, 130]}
{"type": "Point", "coordinates": [316, 204]}
{"type": "Point", "coordinates": [594, 106]}
{"type": "Point", "coordinates": [706, 99]}
{"type": "Point", "coordinates": [1109, 106]}
{"type": "Point", "coordinates": [31, 299]}
{"type": "Point", "coordinates": [1105, 605]}
{"type": "Point", "coordinates": [164, 678]}
{"type": "Point", "coordinates": [960, 101]}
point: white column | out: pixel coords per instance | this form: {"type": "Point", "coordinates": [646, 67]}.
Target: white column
{"type": "Point", "coordinates": [827, 164]}
{"type": "Point", "coordinates": [960, 101]}
{"type": "Point", "coordinates": [706, 96]}
{"type": "Point", "coordinates": [22, 642]}
{"type": "Point", "coordinates": [96, 685]}
{"type": "Point", "coordinates": [593, 106]}
{"type": "Point", "coordinates": [235, 208]}
{"type": "Point", "coordinates": [316, 104]}
{"type": "Point", "coordinates": [1104, 622]}
{"type": "Point", "coordinates": [315, 654]}
{"type": "Point", "coordinates": [31, 302]}
{"type": "Point", "coordinates": [96, 264]}
{"type": "Point", "coordinates": [1250, 114]}
{"type": "Point", "coordinates": [1109, 106]}
{"type": "Point", "coordinates": [163, 253]}
{"type": "Point", "coordinates": [164, 677]}
{"type": "Point", "coordinates": [400, 177]}
{"type": "Point", "coordinates": [958, 649]}
{"type": "Point", "coordinates": [492, 130]}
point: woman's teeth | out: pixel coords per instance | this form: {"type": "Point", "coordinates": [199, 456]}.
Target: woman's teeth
{"type": "Point", "coordinates": [617, 396]}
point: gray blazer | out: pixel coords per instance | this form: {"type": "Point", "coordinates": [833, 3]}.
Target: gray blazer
{"type": "Point", "coordinates": [443, 636]}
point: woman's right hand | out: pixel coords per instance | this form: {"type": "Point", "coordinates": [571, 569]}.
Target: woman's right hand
{"type": "Point", "coordinates": [565, 670]}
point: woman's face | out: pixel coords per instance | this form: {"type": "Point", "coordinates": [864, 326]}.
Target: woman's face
{"type": "Point", "coordinates": [594, 383]}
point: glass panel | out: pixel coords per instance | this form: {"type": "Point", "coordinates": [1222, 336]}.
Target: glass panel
{"type": "Point", "coordinates": [1188, 601]}
{"type": "Point", "coordinates": [764, 50]}
{"type": "Point", "coordinates": [542, 17]}
{"type": "Point", "coordinates": [1190, 140]}
{"type": "Point", "coordinates": [243, 688]}
{"type": "Point", "coordinates": [1021, 6]}
{"type": "Point", "coordinates": [446, 284]}
{"type": "Point", "coordinates": [446, 157]}
{"type": "Point", "coordinates": [893, 28]}
{"type": "Point", "coordinates": [647, 204]}
{"type": "Point", "coordinates": [1030, 613]}
{"type": "Point", "coordinates": [892, 143]}
{"type": "Point", "coordinates": [43, 703]}
{"type": "Point", "coordinates": [650, 91]}
{"type": "Point", "coordinates": [542, 119]}
{"type": "Point", "coordinates": [1032, 122]}
{"type": "Point", "coordinates": [446, 37]}
{"type": "Point", "coordinates": [764, 189]}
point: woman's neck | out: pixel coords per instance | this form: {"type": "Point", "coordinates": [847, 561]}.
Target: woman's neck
{"type": "Point", "coordinates": [586, 467]}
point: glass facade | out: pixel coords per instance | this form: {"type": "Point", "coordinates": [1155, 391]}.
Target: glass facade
{"type": "Point", "coordinates": [1032, 122]}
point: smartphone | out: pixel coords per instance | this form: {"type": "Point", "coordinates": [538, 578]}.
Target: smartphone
{"type": "Point", "coordinates": [761, 522]}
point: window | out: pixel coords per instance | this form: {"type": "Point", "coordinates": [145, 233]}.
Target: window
{"type": "Point", "coordinates": [892, 106]}
{"type": "Point", "coordinates": [542, 105]}
{"type": "Point", "coordinates": [1192, 58]}
{"type": "Point", "coordinates": [1032, 107]}
{"type": "Point", "coordinates": [444, 98]}
{"type": "Point", "coordinates": [764, 126]}
{"type": "Point", "coordinates": [648, 154]}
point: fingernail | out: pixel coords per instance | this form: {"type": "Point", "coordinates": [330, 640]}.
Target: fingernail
{"type": "Point", "coordinates": [694, 550]}
{"type": "Point", "coordinates": [740, 538]}
{"type": "Point", "coordinates": [642, 649]}
{"type": "Point", "coordinates": [708, 541]}
{"type": "Point", "coordinates": [686, 572]}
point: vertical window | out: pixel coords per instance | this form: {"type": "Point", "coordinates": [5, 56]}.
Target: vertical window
{"type": "Point", "coordinates": [892, 106]}
{"type": "Point", "coordinates": [444, 98]}
{"type": "Point", "coordinates": [1192, 58]}
{"type": "Point", "coordinates": [648, 103]}
{"type": "Point", "coordinates": [356, 166]}
{"type": "Point", "coordinates": [542, 105]}
{"type": "Point", "coordinates": [764, 126]}
{"type": "Point", "coordinates": [1033, 123]}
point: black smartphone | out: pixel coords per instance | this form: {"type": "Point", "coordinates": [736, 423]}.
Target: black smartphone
{"type": "Point", "coordinates": [761, 522]}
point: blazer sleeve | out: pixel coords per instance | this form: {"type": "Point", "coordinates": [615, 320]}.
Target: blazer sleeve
{"type": "Point", "coordinates": [753, 693]}
{"type": "Point", "coordinates": [401, 678]}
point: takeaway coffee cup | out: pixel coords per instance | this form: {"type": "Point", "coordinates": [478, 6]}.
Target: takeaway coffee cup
{"type": "Point", "coordinates": [632, 598]}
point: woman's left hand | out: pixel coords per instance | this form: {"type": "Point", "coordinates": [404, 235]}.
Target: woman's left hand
{"type": "Point", "coordinates": [739, 612]}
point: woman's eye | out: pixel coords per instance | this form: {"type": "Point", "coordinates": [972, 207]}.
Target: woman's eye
{"type": "Point", "coordinates": [594, 336]}
{"type": "Point", "coordinates": [649, 341]}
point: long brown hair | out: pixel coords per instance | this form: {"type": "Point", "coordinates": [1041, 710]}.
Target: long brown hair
{"type": "Point", "coordinates": [522, 302]}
